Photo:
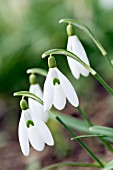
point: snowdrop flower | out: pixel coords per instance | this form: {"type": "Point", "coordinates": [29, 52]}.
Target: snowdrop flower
{"type": "Point", "coordinates": [33, 130]}
{"type": "Point", "coordinates": [75, 46]}
{"type": "Point", "coordinates": [57, 88]}
{"type": "Point", "coordinates": [35, 107]}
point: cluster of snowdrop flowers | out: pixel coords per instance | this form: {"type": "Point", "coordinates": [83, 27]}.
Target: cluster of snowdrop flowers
{"type": "Point", "coordinates": [57, 88]}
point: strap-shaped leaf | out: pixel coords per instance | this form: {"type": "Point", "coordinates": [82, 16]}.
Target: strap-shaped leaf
{"type": "Point", "coordinates": [102, 130]}
{"type": "Point", "coordinates": [109, 166]}
{"type": "Point", "coordinates": [76, 164]}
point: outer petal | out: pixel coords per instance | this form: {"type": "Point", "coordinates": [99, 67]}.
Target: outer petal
{"type": "Point", "coordinates": [48, 91]}
{"type": "Point", "coordinates": [23, 135]}
{"type": "Point", "coordinates": [75, 46]}
{"type": "Point", "coordinates": [72, 62]}
{"type": "Point", "coordinates": [68, 89]}
{"type": "Point", "coordinates": [73, 67]}
{"type": "Point", "coordinates": [36, 108]}
{"type": "Point", "coordinates": [35, 139]}
{"type": "Point", "coordinates": [78, 49]}
{"type": "Point", "coordinates": [59, 100]}
{"type": "Point", "coordinates": [44, 131]}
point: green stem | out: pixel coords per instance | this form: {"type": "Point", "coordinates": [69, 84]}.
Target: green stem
{"type": "Point", "coordinates": [80, 142]}
{"type": "Point", "coordinates": [76, 164]}
{"type": "Point", "coordinates": [108, 60]}
{"type": "Point", "coordinates": [84, 115]}
{"type": "Point", "coordinates": [106, 86]}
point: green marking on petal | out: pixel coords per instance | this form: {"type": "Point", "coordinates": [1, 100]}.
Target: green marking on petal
{"type": "Point", "coordinates": [29, 122]}
{"type": "Point", "coordinates": [56, 81]}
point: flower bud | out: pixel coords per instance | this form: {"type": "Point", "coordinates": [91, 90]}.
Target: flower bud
{"type": "Point", "coordinates": [51, 62]}
{"type": "Point", "coordinates": [23, 104]}
{"type": "Point", "coordinates": [70, 30]}
{"type": "Point", "coordinates": [33, 79]}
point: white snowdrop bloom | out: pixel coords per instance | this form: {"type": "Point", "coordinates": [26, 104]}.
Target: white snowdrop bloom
{"type": "Point", "coordinates": [36, 108]}
{"type": "Point", "coordinates": [33, 130]}
{"type": "Point", "coordinates": [75, 46]}
{"type": "Point", "coordinates": [56, 89]}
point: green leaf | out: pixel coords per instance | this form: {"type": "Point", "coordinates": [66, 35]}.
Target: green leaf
{"type": "Point", "coordinates": [87, 30]}
{"type": "Point", "coordinates": [102, 130]}
{"type": "Point", "coordinates": [109, 166]}
{"type": "Point", "coordinates": [86, 136]}
{"type": "Point", "coordinates": [73, 122]}
{"type": "Point", "coordinates": [76, 164]}
{"type": "Point", "coordinates": [37, 71]}
{"type": "Point", "coordinates": [70, 54]}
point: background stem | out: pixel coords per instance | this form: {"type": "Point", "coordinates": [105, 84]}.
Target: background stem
{"type": "Point", "coordinates": [84, 115]}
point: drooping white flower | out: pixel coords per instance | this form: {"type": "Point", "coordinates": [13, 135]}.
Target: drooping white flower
{"type": "Point", "coordinates": [75, 46]}
{"type": "Point", "coordinates": [33, 130]}
{"type": "Point", "coordinates": [56, 89]}
{"type": "Point", "coordinates": [36, 108]}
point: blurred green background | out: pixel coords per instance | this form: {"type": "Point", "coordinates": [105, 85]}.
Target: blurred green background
{"type": "Point", "coordinates": [30, 27]}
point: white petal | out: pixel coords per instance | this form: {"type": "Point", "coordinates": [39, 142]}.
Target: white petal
{"type": "Point", "coordinates": [44, 132]}
{"type": "Point", "coordinates": [68, 89]}
{"type": "Point", "coordinates": [23, 136]}
{"type": "Point", "coordinates": [37, 108]}
{"type": "Point", "coordinates": [35, 139]}
{"type": "Point", "coordinates": [78, 49]}
{"type": "Point", "coordinates": [36, 89]}
{"type": "Point", "coordinates": [73, 67]}
{"type": "Point", "coordinates": [48, 91]}
{"type": "Point", "coordinates": [72, 62]}
{"type": "Point", "coordinates": [27, 115]}
{"type": "Point", "coordinates": [59, 100]}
